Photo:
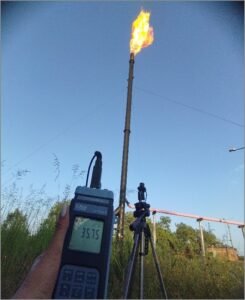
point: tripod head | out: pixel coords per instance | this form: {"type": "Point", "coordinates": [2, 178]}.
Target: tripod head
{"type": "Point", "coordinates": [142, 209]}
{"type": "Point", "coordinates": [142, 194]}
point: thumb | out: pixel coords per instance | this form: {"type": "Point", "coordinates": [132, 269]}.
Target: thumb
{"type": "Point", "coordinates": [40, 281]}
{"type": "Point", "coordinates": [60, 232]}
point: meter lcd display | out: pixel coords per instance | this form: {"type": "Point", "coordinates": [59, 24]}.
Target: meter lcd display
{"type": "Point", "coordinates": [86, 235]}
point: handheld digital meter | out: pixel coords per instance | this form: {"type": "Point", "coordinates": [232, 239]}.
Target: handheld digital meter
{"type": "Point", "coordinates": [84, 268]}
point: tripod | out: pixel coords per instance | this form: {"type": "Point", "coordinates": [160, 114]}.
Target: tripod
{"type": "Point", "coordinates": [142, 236]}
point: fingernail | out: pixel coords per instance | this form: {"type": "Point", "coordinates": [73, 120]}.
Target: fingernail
{"type": "Point", "coordinates": [63, 211]}
{"type": "Point", "coordinates": [36, 261]}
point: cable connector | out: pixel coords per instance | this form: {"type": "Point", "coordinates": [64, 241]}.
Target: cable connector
{"type": "Point", "coordinates": [97, 171]}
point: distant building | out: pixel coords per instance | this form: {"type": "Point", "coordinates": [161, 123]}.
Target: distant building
{"type": "Point", "coordinates": [228, 253]}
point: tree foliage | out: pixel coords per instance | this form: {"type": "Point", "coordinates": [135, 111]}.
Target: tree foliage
{"type": "Point", "coordinates": [164, 223]}
{"type": "Point", "coordinates": [16, 220]}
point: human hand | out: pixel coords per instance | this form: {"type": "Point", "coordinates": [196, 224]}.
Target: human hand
{"type": "Point", "coordinates": [40, 281]}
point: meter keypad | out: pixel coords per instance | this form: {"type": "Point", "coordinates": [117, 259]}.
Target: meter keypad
{"type": "Point", "coordinates": [77, 283]}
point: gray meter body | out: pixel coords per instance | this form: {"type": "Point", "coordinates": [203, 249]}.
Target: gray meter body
{"type": "Point", "coordinates": [84, 268]}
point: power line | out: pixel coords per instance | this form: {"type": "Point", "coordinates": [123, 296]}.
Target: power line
{"type": "Point", "coordinates": [191, 107]}
{"type": "Point", "coordinates": [38, 148]}
{"type": "Point", "coordinates": [34, 152]}
{"type": "Point", "coordinates": [235, 149]}
{"type": "Point", "coordinates": [42, 146]}
{"type": "Point", "coordinates": [140, 89]}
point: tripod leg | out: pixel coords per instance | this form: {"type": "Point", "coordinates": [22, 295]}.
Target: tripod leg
{"type": "Point", "coordinates": [131, 265]}
{"type": "Point", "coordinates": [142, 250]}
{"type": "Point", "coordinates": [162, 286]}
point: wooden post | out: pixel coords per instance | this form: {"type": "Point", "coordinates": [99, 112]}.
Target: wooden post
{"type": "Point", "coordinates": [201, 235]}
{"type": "Point", "coordinates": [242, 228]}
{"type": "Point", "coordinates": [154, 228]}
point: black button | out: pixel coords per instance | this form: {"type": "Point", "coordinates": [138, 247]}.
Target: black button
{"type": "Point", "coordinates": [64, 290]}
{"type": "Point", "coordinates": [79, 276]}
{"type": "Point", "coordinates": [76, 292]}
{"type": "Point", "coordinates": [89, 293]}
{"type": "Point", "coordinates": [67, 275]}
{"type": "Point", "coordinates": [91, 278]}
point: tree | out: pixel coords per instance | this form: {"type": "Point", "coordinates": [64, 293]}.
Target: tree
{"type": "Point", "coordinates": [16, 221]}
{"type": "Point", "coordinates": [164, 223]}
{"type": "Point", "coordinates": [210, 239]}
{"type": "Point", "coordinates": [188, 238]}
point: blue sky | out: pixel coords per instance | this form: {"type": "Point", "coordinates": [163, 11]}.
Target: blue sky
{"type": "Point", "coordinates": [64, 86]}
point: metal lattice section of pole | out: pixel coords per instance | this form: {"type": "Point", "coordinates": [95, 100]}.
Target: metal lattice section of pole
{"type": "Point", "coordinates": [123, 186]}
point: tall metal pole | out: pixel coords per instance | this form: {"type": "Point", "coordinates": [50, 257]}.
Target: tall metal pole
{"type": "Point", "coordinates": [123, 186]}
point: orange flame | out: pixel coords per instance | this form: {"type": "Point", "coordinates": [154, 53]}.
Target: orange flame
{"type": "Point", "coordinates": [142, 33]}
